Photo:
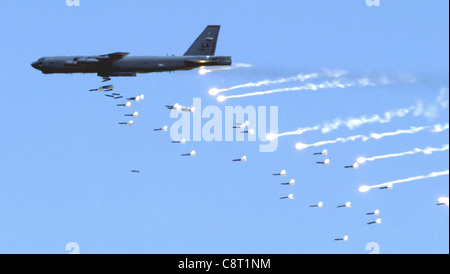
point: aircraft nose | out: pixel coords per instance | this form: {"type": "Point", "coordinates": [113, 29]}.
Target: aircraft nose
{"type": "Point", "coordinates": [34, 65]}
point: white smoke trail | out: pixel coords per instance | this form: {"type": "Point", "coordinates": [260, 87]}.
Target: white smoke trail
{"type": "Point", "coordinates": [334, 73]}
{"type": "Point", "coordinates": [374, 136]}
{"type": "Point", "coordinates": [427, 151]}
{"type": "Point", "coordinates": [203, 71]}
{"type": "Point", "coordinates": [353, 123]}
{"type": "Point", "coordinates": [431, 175]}
{"type": "Point", "coordinates": [362, 82]}
{"type": "Point", "coordinates": [350, 123]}
{"type": "Point", "coordinates": [440, 128]}
{"type": "Point", "coordinates": [300, 131]}
{"type": "Point", "coordinates": [297, 78]}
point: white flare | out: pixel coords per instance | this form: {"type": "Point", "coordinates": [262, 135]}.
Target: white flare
{"type": "Point", "coordinates": [203, 71]}
{"type": "Point", "coordinates": [213, 91]}
{"type": "Point", "coordinates": [364, 189]}
{"type": "Point", "coordinates": [221, 99]}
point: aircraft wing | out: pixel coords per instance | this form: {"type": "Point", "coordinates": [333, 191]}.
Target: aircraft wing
{"type": "Point", "coordinates": [92, 61]}
{"type": "Point", "coordinates": [113, 57]}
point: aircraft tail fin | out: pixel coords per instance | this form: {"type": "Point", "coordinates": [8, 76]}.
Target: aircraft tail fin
{"type": "Point", "coordinates": [205, 43]}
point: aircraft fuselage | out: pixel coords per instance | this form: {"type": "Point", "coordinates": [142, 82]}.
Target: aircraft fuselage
{"type": "Point", "coordinates": [127, 65]}
{"type": "Point", "coordinates": [200, 54]}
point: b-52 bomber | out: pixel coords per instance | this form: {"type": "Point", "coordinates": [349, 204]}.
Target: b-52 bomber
{"type": "Point", "coordinates": [120, 64]}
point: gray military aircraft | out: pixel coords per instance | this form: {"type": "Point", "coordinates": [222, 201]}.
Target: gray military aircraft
{"type": "Point", "coordinates": [200, 54]}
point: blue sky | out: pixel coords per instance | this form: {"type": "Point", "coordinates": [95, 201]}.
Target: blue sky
{"type": "Point", "coordinates": [64, 166]}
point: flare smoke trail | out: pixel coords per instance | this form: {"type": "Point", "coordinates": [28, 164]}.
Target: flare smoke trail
{"type": "Point", "coordinates": [300, 131]}
{"type": "Point", "coordinates": [375, 136]}
{"type": "Point", "coordinates": [362, 82]}
{"type": "Point", "coordinates": [431, 175]}
{"type": "Point", "coordinates": [352, 123]}
{"type": "Point", "coordinates": [203, 71]}
{"type": "Point", "coordinates": [297, 78]}
{"type": "Point", "coordinates": [427, 151]}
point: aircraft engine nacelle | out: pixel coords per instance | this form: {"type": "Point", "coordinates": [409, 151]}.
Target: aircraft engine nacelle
{"type": "Point", "coordinates": [70, 63]}
{"type": "Point", "coordinates": [87, 61]}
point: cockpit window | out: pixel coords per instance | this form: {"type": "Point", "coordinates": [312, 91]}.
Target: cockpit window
{"type": "Point", "coordinates": [41, 61]}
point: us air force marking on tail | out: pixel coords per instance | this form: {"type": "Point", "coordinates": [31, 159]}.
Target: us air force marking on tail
{"type": "Point", "coordinates": [200, 54]}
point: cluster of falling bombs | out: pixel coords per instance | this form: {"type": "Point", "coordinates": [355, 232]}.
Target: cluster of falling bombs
{"type": "Point", "coordinates": [321, 205]}
{"type": "Point", "coordinates": [116, 96]}
{"type": "Point", "coordinates": [128, 104]}
{"type": "Point", "coordinates": [242, 126]}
